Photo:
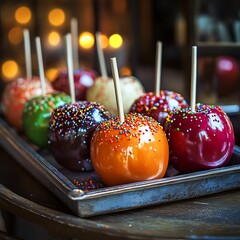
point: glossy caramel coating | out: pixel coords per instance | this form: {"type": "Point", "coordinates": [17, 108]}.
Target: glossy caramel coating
{"type": "Point", "coordinates": [132, 151]}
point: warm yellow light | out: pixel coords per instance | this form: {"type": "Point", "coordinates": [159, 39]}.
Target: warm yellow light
{"type": "Point", "coordinates": [15, 35]}
{"type": "Point", "coordinates": [53, 38]}
{"type": "Point", "coordinates": [10, 69]}
{"type": "Point", "coordinates": [86, 40]}
{"type": "Point", "coordinates": [115, 41]}
{"type": "Point", "coordinates": [125, 71]}
{"type": "Point", "coordinates": [23, 15]}
{"type": "Point", "coordinates": [56, 17]}
{"type": "Point", "coordinates": [51, 74]}
{"type": "Point", "coordinates": [104, 40]}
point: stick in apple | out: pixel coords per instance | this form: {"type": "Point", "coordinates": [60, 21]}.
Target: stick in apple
{"type": "Point", "coordinates": [101, 56]}
{"type": "Point", "coordinates": [27, 50]}
{"type": "Point", "coordinates": [70, 66]}
{"type": "Point", "coordinates": [193, 79]}
{"type": "Point", "coordinates": [158, 103]}
{"type": "Point", "coordinates": [158, 68]}
{"type": "Point", "coordinates": [40, 65]}
{"type": "Point", "coordinates": [117, 89]}
{"type": "Point", "coordinates": [205, 132]}
{"type": "Point", "coordinates": [74, 32]}
{"type": "Point", "coordinates": [153, 151]}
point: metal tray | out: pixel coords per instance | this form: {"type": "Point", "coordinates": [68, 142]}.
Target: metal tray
{"type": "Point", "coordinates": [84, 194]}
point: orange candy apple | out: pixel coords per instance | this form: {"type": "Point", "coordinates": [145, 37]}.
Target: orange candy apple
{"type": "Point", "coordinates": [16, 94]}
{"type": "Point", "coordinates": [131, 151]}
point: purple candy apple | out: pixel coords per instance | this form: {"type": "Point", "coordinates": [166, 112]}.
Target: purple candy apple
{"type": "Point", "coordinates": [83, 79]}
{"type": "Point", "coordinates": [199, 140]}
{"type": "Point", "coordinates": [70, 132]}
{"type": "Point", "coordinates": [158, 107]}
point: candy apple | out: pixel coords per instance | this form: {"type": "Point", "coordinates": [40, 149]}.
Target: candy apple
{"type": "Point", "coordinates": [16, 94]}
{"type": "Point", "coordinates": [103, 92]}
{"type": "Point", "coordinates": [70, 132]}
{"type": "Point", "coordinates": [83, 79]}
{"type": "Point", "coordinates": [227, 74]}
{"type": "Point", "coordinates": [158, 107]}
{"type": "Point", "coordinates": [203, 139]}
{"type": "Point", "coordinates": [129, 151]}
{"type": "Point", "coordinates": [36, 115]}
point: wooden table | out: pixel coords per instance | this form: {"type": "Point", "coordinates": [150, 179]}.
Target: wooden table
{"type": "Point", "coordinates": [21, 196]}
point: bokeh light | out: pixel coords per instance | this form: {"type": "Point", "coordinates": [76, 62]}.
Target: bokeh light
{"type": "Point", "coordinates": [104, 41]}
{"type": "Point", "coordinates": [15, 35]}
{"type": "Point", "coordinates": [23, 15]}
{"type": "Point", "coordinates": [9, 69]}
{"type": "Point", "coordinates": [125, 71]}
{"type": "Point", "coordinates": [86, 40]}
{"type": "Point", "coordinates": [51, 74]}
{"type": "Point", "coordinates": [115, 41]}
{"type": "Point", "coordinates": [54, 38]}
{"type": "Point", "coordinates": [56, 17]}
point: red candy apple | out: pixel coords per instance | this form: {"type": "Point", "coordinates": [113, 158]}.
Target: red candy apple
{"type": "Point", "coordinates": [158, 107]}
{"type": "Point", "coordinates": [203, 139]}
{"type": "Point", "coordinates": [158, 104]}
{"type": "Point", "coordinates": [227, 73]}
{"type": "Point", "coordinates": [83, 79]}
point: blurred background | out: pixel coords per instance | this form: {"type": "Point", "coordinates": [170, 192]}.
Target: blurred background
{"type": "Point", "coordinates": [130, 29]}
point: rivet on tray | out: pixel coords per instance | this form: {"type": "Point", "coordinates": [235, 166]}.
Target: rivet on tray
{"type": "Point", "coordinates": [75, 193]}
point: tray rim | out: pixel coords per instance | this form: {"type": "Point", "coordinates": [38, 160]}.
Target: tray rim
{"type": "Point", "coordinates": [95, 193]}
{"type": "Point", "coordinates": [69, 193]}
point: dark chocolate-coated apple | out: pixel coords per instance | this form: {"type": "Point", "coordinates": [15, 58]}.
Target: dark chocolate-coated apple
{"type": "Point", "coordinates": [83, 79]}
{"type": "Point", "coordinates": [158, 107]}
{"type": "Point", "coordinates": [203, 139]}
{"type": "Point", "coordinates": [70, 132]}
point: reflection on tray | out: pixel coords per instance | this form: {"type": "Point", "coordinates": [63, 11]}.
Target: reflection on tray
{"type": "Point", "coordinates": [84, 180]}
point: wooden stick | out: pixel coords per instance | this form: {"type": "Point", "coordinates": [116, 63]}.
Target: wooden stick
{"type": "Point", "coordinates": [193, 79]}
{"type": "Point", "coordinates": [158, 68]}
{"type": "Point", "coordinates": [101, 56]}
{"type": "Point", "coordinates": [27, 50]}
{"type": "Point", "coordinates": [74, 32]}
{"type": "Point", "coordinates": [70, 66]}
{"type": "Point", "coordinates": [40, 65]}
{"type": "Point", "coordinates": [117, 89]}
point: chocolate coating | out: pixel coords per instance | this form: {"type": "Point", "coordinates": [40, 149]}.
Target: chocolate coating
{"type": "Point", "coordinates": [36, 115]}
{"type": "Point", "coordinates": [158, 107]}
{"type": "Point", "coordinates": [70, 132]}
